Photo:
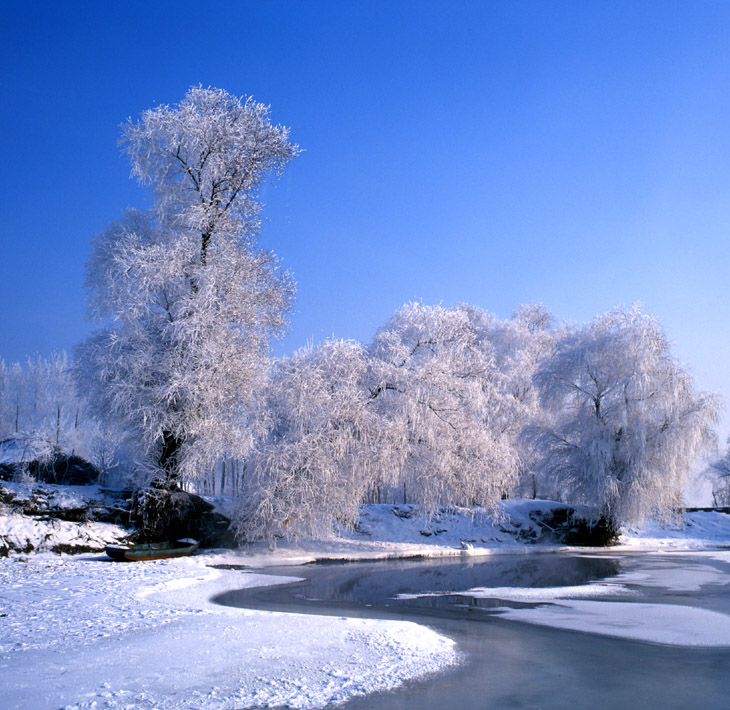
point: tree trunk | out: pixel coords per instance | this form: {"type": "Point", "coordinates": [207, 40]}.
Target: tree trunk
{"type": "Point", "coordinates": [171, 445]}
{"type": "Point", "coordinates": [205, 240]}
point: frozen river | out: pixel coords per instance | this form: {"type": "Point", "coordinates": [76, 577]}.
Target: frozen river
{"type": "Point", "coordinates": [541, 630]}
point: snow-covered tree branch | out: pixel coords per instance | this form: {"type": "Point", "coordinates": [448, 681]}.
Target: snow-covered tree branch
{"type": "Point", "coordinates": [323, 447]}
{"type": "Point", "coordinates": [719, 475]}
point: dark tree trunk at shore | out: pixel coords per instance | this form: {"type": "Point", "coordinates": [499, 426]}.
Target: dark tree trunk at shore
{"type": "Point", "coordinates": [168, 460]}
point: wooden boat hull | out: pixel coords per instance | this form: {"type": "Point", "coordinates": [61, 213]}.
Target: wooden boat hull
{"type": "Point", "coordinates": [150, 551]}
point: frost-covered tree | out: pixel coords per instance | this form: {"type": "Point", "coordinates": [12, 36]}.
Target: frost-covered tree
{"type": "Point", "coordinates": [322, 447]}
{"type": "Point", "coordinates": [12, 384]}
{"type": "Point", "coordinates": [43, 412]}
{"type": "Point", "coordinates": [719, 475]}
{"type": "Point", "coordinates": [450, 418]}
{"type": "Point", "coordinates": [187, 301]}
{"type": "Point", "coordinates": [520, 344]}
{"type": "Point", "coordinates": [623, 421]}
{"type": "Point", "coordinates": [38, 397]}
{"type": "Point", "coordinates": [424, 415]}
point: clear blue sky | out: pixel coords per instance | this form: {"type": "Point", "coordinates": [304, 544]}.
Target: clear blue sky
{"type": "Point", "coordinates": [572, 153]}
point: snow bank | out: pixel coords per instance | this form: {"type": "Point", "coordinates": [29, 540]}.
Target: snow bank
{"type": "Point", "coordinates": [395, 531]}
{"type": "Point", "coordinates": [384, 531]}
{"type": "Point", "coordinates": [147, 636]}
{"type": "Point", "coordinates": [692, 531]}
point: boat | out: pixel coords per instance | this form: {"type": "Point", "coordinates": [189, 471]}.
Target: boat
{"type": "Point", "coordinates": [152, 550]}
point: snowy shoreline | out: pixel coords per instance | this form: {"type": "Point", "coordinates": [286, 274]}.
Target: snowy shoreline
{"type": "Point", "coordinates": [101, 634]}
{"type": "Point", "coordinates": [146, 635]}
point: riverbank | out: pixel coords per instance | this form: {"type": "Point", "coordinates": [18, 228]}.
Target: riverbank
{"type": "Point", "coordinates": [79, 631]}
{"type": "Point", "coordinates": [389, 532]}
{"type": "Point", "coordinates": [38, 517]}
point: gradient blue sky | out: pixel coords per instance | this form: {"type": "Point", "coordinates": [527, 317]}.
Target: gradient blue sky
{"type": "Point", "coordinates": [572, 153]}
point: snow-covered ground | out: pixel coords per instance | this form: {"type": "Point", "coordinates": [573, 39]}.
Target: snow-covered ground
{"type": "Point", "coordinates": [83, 632]}
{"type": "Point", "coordinates": [694, 531]}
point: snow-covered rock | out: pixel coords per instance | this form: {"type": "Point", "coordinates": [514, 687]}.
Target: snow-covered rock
{"type": "Point", "coordinates": [48, 518]}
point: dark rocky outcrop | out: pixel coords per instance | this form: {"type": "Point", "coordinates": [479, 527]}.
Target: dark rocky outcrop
{"type": "Point", "coordinates": [160, 513]}
{"type": "Point", "coordinates": [565, 525]}
{"type": "Point", "coordinates": [60, 468]}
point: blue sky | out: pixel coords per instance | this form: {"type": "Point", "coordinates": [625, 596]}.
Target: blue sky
{"type": "Point", "coordinates": [498, 153]}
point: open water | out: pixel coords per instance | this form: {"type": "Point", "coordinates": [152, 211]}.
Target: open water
{"type": "Point", "coordinates": [513, 664]}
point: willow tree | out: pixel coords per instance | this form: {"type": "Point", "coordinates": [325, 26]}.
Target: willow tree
{"type": "Point", "coordinates": [623, 421]}
{"type": "Point", "coordinates": [423, 413]}
{"type": "Point", "coordinates": [323, 445]}
{"type": "Point", "coordinates": [187, 301]}
{"type": "Point", "coordinates": [447, 411]}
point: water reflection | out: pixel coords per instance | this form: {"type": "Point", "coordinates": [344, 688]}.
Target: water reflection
{"type": "Point", "coordinates": [379, 583]}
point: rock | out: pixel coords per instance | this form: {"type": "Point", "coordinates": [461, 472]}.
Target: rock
{"type": "Point", "coordinates": [566, 526]}
{"type": "Point", "coordinates": [160, 514]}
{"type": "Point", "coordinates": [58, 468]}
{"type": "Point", "coordinates": [64, 470]}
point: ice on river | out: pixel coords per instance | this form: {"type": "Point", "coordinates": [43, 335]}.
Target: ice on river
{"type": "Point", "coordinates": [532, 594]}
{"type": "Point", "coordinates": [671, 624]}
{"type": "Point", "coordinates": [575, 607]}
{"type": "Point", "coordinates": [671, 577]}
